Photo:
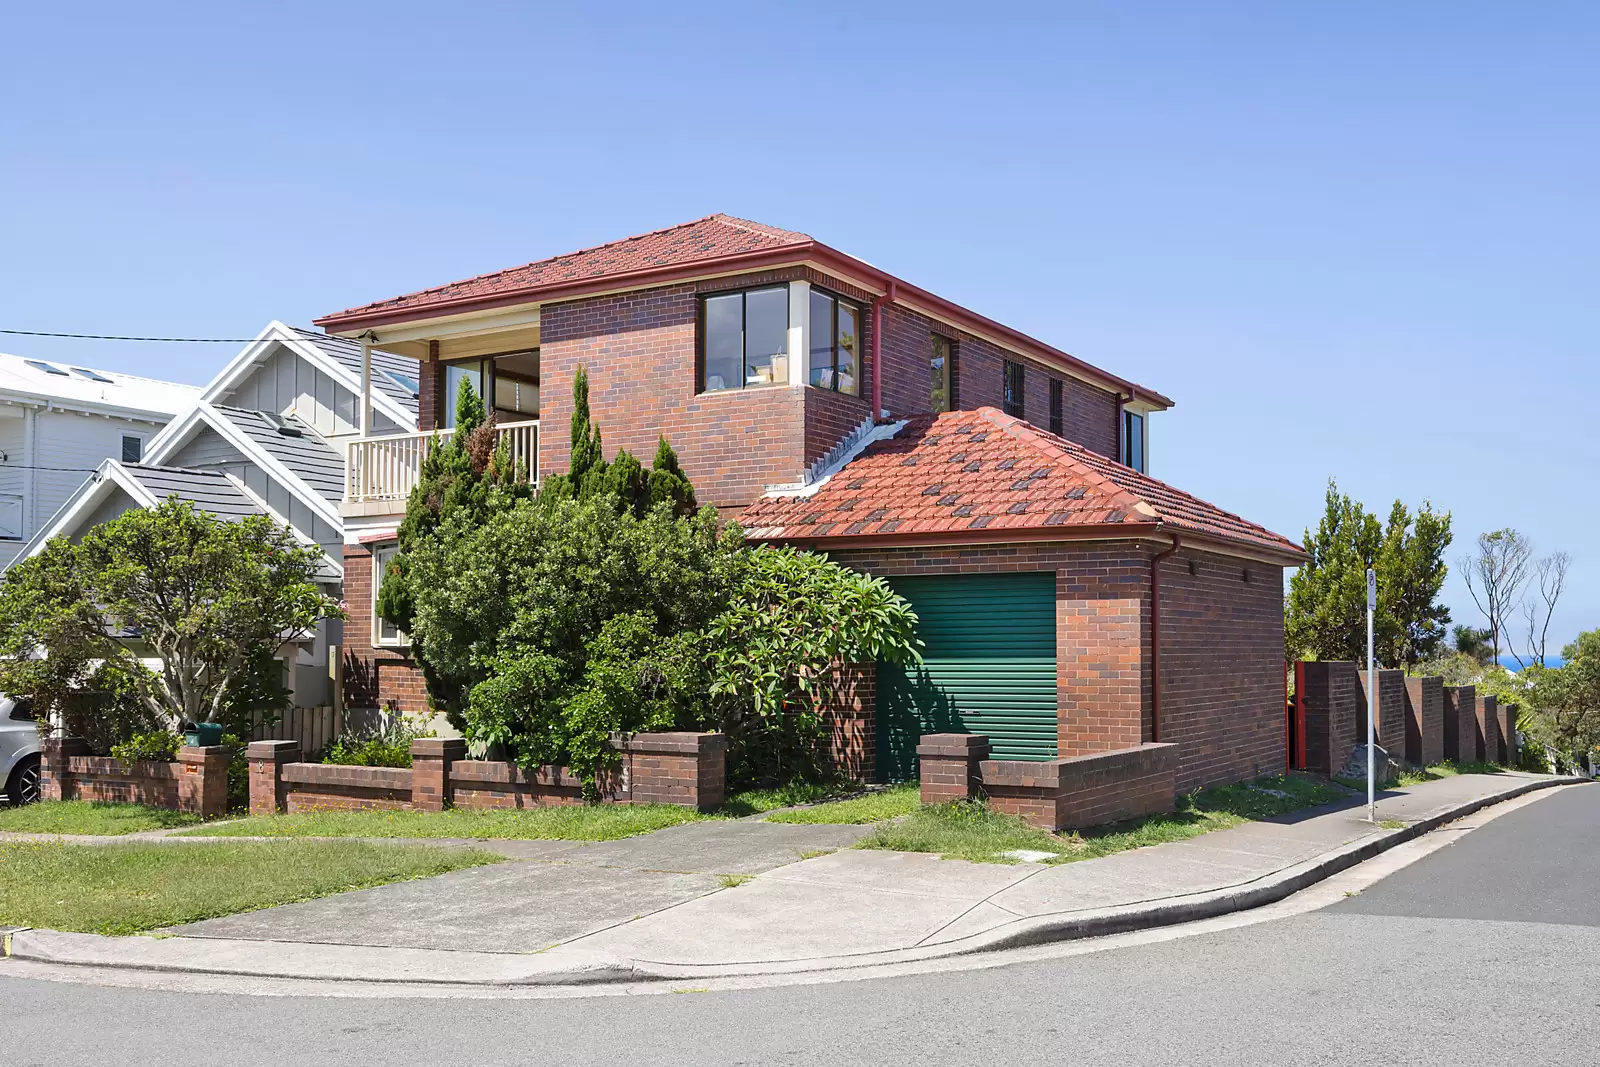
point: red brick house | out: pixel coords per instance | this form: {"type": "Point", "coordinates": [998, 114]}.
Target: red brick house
{"type": "Point", "coordinates": [1070, 603]}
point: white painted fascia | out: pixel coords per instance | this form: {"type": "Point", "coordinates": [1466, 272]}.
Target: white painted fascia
{"type": "Point", "coordinates": [91, 494]}
{"type": "Point", "coordinates": [881, 432]}
{"type": "Point", "coordinates": [176, 435]}
{"type": "Point", "coordinates": [276, 332]}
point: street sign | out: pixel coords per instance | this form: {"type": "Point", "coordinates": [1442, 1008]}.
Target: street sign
{"type": "Point", "coordinates": [1372, 589]}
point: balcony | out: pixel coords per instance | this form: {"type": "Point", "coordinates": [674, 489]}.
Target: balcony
{"type": "Point", "coordinates": [380, 472]}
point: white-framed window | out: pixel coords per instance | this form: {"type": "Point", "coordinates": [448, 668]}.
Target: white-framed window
{"type": "Point", "coordinates": [132, 447]}
{"type": "Point", "coordinates": [384, 633]}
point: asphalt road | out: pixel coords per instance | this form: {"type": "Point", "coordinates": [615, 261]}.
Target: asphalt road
{"type": "Point", "coordinates": [1484, 952]}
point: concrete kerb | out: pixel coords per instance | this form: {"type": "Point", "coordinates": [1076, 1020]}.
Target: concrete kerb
{"type": "Point", "coordinates": [566, 965]}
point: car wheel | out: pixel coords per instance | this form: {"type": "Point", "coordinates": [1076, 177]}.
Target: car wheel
{"type": "Point", "coordinates": [24, 785]}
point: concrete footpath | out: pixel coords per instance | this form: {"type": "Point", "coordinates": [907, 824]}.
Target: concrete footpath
{"type": "Point", "coordinates": [663, 905]}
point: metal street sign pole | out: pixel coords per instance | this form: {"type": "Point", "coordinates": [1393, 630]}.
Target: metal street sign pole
{"type": "Point", "coordinates": [1372, 699]}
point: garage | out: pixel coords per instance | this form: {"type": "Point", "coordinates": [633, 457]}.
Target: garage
{"type": "Point", "coordinates": [989, 667]}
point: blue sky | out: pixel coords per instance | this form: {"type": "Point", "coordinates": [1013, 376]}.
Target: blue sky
{"type": "Point", "coordinates": [1351, 240]}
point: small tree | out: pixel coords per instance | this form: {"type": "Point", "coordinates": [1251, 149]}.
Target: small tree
{"type": "Point", "coordinates": [204, 596]}
{"type": "Point", "coordinates": [1562, 711]}
{"type": "Point", "coordinates": [1495, 577]}
{"type": "Point", "coordinates": [1411, 573]}
{"type": "Point", "coordinates": [1474, 642]}
{"type": "Point", "coordinates": [1539, 606]}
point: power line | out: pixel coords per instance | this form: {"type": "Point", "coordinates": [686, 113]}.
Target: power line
{"type": "Point", "coordinates": [34, 467]}
{"type": "Point", "coordinates": [120, 337]}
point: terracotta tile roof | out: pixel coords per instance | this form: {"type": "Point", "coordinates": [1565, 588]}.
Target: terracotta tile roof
{"type": "Point", "coordinates": [709, 238]}
{"type": "Point", "coordinates": [985, 474]}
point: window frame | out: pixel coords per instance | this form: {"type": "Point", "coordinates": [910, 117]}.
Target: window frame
{"type": "Point", "coordinates": [948, 373]}
{"type": "Point", "coordinates": [834, 302]}
{"type": "Point", "coordinates": [139, 440]}
{"type": "Point", "coordinates": [1014, 400]}
{"type": "Point", "coordinates": [700, 337]}
{"type": "Point", "coordinates": [1127, 435]}
{"type": "Point", "coordinates": [1058, 423]}
{"type": "Point", "coordinates": [382, 556]}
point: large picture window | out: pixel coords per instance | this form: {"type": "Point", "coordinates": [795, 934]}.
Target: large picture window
{"type": "Point", "coordinates": [744, 339]}
{"type": "Point", "coordinates": [1011, 392]}
{"type": "Point", "coordinates": [384, 632]}
{"type": "Point", "coordinates": [835, 344]}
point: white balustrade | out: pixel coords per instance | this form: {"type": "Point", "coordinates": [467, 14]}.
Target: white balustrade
{"type": "Point", "coordinates": [386, 468]}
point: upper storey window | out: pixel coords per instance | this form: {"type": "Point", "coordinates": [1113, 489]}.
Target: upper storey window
{"type": "Point", "coordinates": [744, 339]}
{"type": "Point", "coordinates": [1011, 392]}
{"type": "Point", "coordinates": [835, 344]}
{"type": "Point", "coordinates": [939, 367]}
{"type": "Point", "coordinates": [1133, 441]}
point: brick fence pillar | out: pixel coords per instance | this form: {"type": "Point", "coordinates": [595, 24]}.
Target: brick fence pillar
{"type": "Point", "coordinates": [688, 769]}
{"type": "Point", "coordinates": [268, 793]}
{"type": "Point", "coordinates": [203, 780]}
{"type": "Point", "coordinates": [431, 758]}
{"type": "Point", "coordinates": [55, 780]}
{"type": "Point", "coordinates": [950, 766]}
{"type": "Point", "coordinates": [1487, 717]}
{"type": "Point", "coordinates": [1508, 734]}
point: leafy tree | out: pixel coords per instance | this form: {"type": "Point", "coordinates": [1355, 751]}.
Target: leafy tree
{"type": "Point", "coordinates": [1471, 641]}
{"type": "Point", "coordinates": [203, 595]}
{"type": "Point", "coordinates": [1326, 610]}
{"type": "Point", "coordinates": [1562, 711]}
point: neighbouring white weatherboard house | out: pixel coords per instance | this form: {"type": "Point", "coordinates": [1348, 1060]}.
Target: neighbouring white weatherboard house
{"type": "Point", "coordinates": [266, 436]}
{"type": "Point", "coordinates": [59, 420]}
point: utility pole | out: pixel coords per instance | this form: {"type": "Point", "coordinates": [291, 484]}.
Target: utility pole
{"type": "Point", "coordinates": [1372, 700]}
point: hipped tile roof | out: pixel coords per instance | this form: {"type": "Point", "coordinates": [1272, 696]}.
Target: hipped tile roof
{"type": "Point", "coordinates": [982, 475]}
{"type": "Point", "coordinates": [689, 242]}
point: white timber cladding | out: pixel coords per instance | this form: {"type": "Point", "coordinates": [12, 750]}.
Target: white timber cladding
{"type": "Point", "coordinates": [285, 382]}
{"type": "Point", "coordinates": [13, 478]}
{"type": "Point", "coordinates": [799, 333]}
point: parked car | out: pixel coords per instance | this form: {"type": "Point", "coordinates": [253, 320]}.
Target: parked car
{"type": "Point", "coordinates": [19, 751]}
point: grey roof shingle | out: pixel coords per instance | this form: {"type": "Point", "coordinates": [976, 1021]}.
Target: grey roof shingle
{"type": "Point", "coordinates": [348, 354]}
{"type": "Point", "coordinates": [308, 456]}
{"type": "Point", "coordinates": [208, 490]}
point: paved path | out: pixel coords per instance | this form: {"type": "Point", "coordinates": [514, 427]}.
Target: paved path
{"type": "Point", "coordinates": [656, 906]}
{"type": "Point", "coordinates": [1487, 952]}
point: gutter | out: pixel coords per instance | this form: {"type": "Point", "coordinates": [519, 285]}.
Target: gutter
{"type": "Point", "coordinates": [1155, 636]}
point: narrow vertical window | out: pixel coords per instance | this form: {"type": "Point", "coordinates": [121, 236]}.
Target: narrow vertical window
{"type": "Point", "coordinates": [835, 344]}
{"type": "Point", "coordinates": [1055, 407]}
{"type": "Point", "coordinates": [1011, 393]}
{"type": "Point", "coordinates": [1133, 440]}
{"type": "Point", "coordinates": [384, 632]}
{"type": "Point", "coordinates": [939, 366]}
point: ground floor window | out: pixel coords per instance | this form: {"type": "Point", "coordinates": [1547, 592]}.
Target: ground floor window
{"type": "Point", "coordinates": [384, 632]}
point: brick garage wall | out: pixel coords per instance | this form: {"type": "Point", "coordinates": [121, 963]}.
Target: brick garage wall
{"type": "Point", "coordinates": [1424, 721]}
{"type": "Point", "coordinates": [1222, 680]}
{"type": "Point", "coordinates": [1085, 791]}
{"type": "Point", "coordinates": [1102, 626]}
{"type": "Point", "coordinates": [851, 719]}
{"type": "Point", "coordinates": [1334, 702]}
{"type": "Point", "coordinates": [374, 677]}
{"type": "Point", "coordinates": [1391, 723]}
{"type": "Point", "coordinates": [1460, 723]}
{"type": "Point", "coordinates": [1089, 414]}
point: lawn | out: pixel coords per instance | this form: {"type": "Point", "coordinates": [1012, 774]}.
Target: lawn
{"type": "Point", "coordinates": [90, 817]}
{"type": "Point", "coordinates": [874, 807]}
{"type": "Point", "coordinates": [971, 831]}
{"type": "Point", "coordinates": [130, 887]}
{"type": "Point", "coordinates": [591, 822]}
{"type": "Point", "coordinates": [756, 801]}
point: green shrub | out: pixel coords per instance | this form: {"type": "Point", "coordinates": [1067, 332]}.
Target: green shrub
{"type": "Point", "coordinates": [160, 746]}
{"type": "Point", "coordinates": [389, 746]}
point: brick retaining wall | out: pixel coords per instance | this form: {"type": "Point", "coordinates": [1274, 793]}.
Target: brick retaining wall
{"type": "Point", "coordinates": [1391, 722]}
{"type": "Point", "coordinates": [196, 782]}
{"type": "Point", "coordinates": [686, 769]}
{"type": "Point", "coordinates": [1334, 704]}
{"type": "Point", "coordinates": [1460, 723]}
{"type": "Point", "coordinates": [1424, 721]}
{"type": "Point", "coordinates": [1084, 791]}
{"type": "Point", "coordinates": [1486, 723]}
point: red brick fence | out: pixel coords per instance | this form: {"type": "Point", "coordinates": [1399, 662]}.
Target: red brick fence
{"type": "Point", "coordinates": [197, 781]}
{"type": "Point", "coordinates": [687, 769]}
{"type": "Point", "coordinates": [1054, 794]}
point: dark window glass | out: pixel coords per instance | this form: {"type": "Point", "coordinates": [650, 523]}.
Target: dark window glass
{"type": "Point", "coordinates": [745, 339]}
{"type": "Point", "coordinates": [22, 710]}
{"type": "Point", "coordinates": [939, 366]}
{"type": "Point", "coordinates": [724, 342]}
{"type": "Point", "coordinates": [132, 449]}
{"type": "Point", "coordinates": [48, 368]}
{"type": "Point", "coordinates": [93, 376]}
{"type": "Point", "coordinates": [1011, 396]}
{"type": "Point", "coordinates": [835, 344]}
{"type": "Point", "coordinates": [1055, 406]}
{"type": "Point", "coordinates": [1133, 440]}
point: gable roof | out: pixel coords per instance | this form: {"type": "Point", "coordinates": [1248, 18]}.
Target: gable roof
{"type": "Point", "coordinates": [337, 357]}
{"type": "Point", "coordinates": [984, 476]}
{"type": "Point", "coordinates": [307, 456]}
{"type": "Point", "coordinates": [211, 491]}
{"type": "Point", "coordinates": [125, 393]}
{"type": "Point", "coordinates": [716, 244]}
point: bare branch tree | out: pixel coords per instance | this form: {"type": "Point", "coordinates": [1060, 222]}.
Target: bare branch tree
{"type": "Point", "coordinates": [1551, 573]}
{"type": "Point", "coordinates": [1495, 577]}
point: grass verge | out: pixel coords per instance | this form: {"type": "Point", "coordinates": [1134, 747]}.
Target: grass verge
{"type": "Point", "coordinates": [90, 817]}
{"type": "Point", "coordinates": [874, 807]}
{"type": "Point", "coordinates": [587, 822]}
{"type": "Point", "coordinates": [131, 887]}
{"type": "Point", "coordinates": [971, 831]}
{"type": "Point", "coordinates": [756, 801]}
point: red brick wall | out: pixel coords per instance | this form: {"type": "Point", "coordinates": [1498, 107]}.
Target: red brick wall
{"type": "Point", "coordinates": [1391, 721]}
{"type": "Point", "coordinates": [430, 392]}
{"type": "Point", "coordinates": [1460, 723]}
{"type": "Point", "coordinates": [1222, 667]}
{"type": "Point", "coordinates": [374, 677]}
{"type": "Point", "coordinates": [1424, 721]}
{"type": "Point", "coordinates": [1333, 703]}
{"type": "Point", "coordinates": [1487, 724]}
{"type": "Point", "coordinates": [1085, 791]}
{"type": "Point", "coordinates": [850, 716]}
{"type": "Point", "coordinates": [197, 782]}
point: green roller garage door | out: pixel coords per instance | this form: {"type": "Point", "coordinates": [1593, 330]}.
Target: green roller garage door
{"type": "Point", "coordinates": [989, 667]}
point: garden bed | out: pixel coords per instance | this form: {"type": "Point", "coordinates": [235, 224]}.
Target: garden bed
{"type": "Point", "coordinates": [128, 888]}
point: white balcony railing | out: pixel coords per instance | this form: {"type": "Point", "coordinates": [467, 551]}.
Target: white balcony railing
{"type": "Point", "coordinates": [386, 468]}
